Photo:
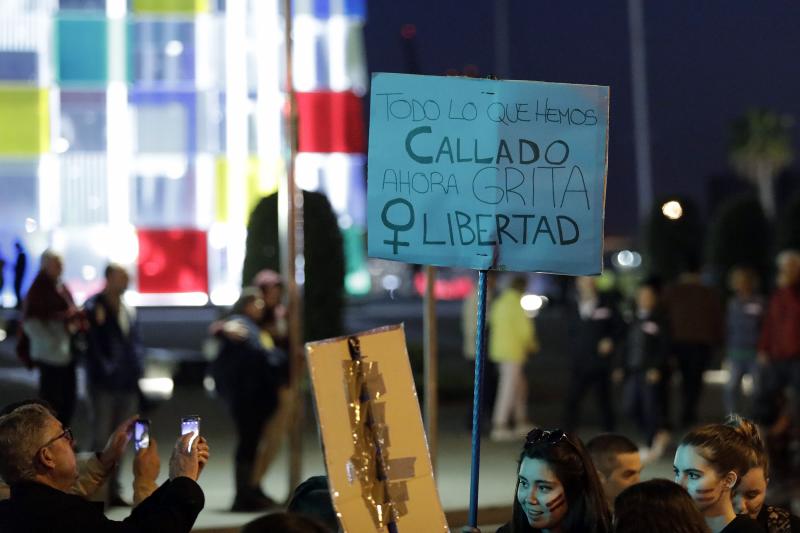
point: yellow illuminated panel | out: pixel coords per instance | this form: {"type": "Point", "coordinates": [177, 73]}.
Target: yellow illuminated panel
{"type": "Point", "coordinates": [258, 185]}
{"type": "Point", "coordinates": [170, 6]}
{"type": "Point", "coordinates": [24, 121]}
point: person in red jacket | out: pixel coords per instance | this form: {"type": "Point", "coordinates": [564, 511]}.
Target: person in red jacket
{"type": "Point", "coordinates": [779, 345]}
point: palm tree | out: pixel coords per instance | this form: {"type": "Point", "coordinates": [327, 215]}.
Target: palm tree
{"type": "Point", "coordinates": [761, 147]}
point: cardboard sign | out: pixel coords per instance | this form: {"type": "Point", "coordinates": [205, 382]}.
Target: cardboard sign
{"type": "Point", "coordinates": [484, 174]}
{"type": "Point", "coordinates": [376, 454]}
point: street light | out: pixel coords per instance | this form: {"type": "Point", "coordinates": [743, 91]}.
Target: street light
{"type": "Point", "coordinates": [531, 302]}
{"type": "Point", "coordinates": [627, 259]}
{"type": "Point", "coordinates": [672, 210]}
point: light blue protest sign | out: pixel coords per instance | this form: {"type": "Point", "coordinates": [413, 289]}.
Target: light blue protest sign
{"type": "Point", "coordinates": [485, 174]}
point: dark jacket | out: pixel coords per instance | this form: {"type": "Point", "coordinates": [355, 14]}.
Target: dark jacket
{"type": "Point", "coordinates": [696, 314]}
{"type": "Point", "coordinates": [245, 372]}
{"type": "Point", "coordinates": [48, 300]}
{"type": "Point", "coordinates": [743, 524]}
{"type": "Point", "coordinates": [37, 508]}
{"type": "Point", "coordinates": [584, 334]}
{"type": "Point", "coordinates": [646, 346]}
{"type": "Point", "coordinates": [113, 357]}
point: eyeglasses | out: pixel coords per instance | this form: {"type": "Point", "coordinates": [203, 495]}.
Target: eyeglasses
{"type": "Point", "coordinates": [66, 434]}
{"type": "Point", "coordinates": [554, 436]}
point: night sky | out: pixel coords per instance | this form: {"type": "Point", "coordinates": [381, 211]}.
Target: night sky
{"type": "Point", "coordinates": [707, 62]}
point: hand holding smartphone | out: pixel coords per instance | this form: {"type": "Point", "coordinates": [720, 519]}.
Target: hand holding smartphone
{"type": "Point", "coordinates": [190, 424]}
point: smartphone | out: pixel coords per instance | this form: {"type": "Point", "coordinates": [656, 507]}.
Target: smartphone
{"type": "Point", "coordinates": [141, 434]}
{"type": "Point", "coordinates": [190, 424]}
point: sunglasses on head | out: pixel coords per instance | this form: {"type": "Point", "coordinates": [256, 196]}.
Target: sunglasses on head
{"type": "Point", "coordinates": [550, 436]}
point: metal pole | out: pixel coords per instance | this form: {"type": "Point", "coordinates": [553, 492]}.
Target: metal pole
{"type": "Point", "coordinates": [431, 362]}
{"type": "Point", "coordinates": [641, 119]}
{"type": "Point", "coordinates": [480, 358]}
{"type": "Point", "coordinates": [288, 211]}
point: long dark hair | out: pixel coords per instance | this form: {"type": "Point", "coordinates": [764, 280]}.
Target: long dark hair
{"type": "Point", "coordinates": [587, 510]}
{"type": "Point", "coordinates": [657, 506]}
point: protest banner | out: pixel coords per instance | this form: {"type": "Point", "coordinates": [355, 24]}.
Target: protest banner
{"type": "Point", "coordinates": [376, 455]}
{"type": "Point", "coordinates": [487, 174]}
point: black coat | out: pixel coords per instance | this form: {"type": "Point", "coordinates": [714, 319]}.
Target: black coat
{"type": "Point", "coordinates": [646, 345]}
{"type": "Point", "coordinates": [585, 334]}
{"type": "Point", "coordinates": [743, 524]}
{"type": "Point", "coordinates": [37, 508]}
{"type": "Point", "coordinates": [246, 373]}
{"type": "Point", "coordinates": [114, 359]}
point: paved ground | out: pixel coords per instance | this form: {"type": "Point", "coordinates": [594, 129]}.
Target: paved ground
{"type": "Point", "coordinates": [547, 377]}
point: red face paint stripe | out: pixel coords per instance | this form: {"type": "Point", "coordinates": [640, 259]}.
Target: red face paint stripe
{"type": "Point", "coordinates": [558, 502]}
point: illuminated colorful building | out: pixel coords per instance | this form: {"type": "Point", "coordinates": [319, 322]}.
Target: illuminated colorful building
{"type": "Point", "coordinates": [144, 131]}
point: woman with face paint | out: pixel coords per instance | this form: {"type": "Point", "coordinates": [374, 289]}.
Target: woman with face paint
{"type": "Point", "coordinates": [558, 490]}
{"type": "Point", "coordinates": [749, 494]}
{"type": "Point", "coordinates": [709, 463]}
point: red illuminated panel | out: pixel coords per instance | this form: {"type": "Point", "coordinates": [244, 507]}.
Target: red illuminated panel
{"type": "Point", "coordinates": [174, 260]}
{"type": "Point", "coordinates": [445, 289]}
{"type": "Point", "coordinates": [330, 122]}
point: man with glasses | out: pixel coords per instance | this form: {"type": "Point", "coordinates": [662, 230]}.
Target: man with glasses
{"type": "Point", "coordinates": [38, 461]}
{"type": "Point", "coordinates": [94, 468]}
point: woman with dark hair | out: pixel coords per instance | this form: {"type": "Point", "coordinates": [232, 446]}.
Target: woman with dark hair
{"type": "Point", "coordinates": [749, 494]}
{"type": "Point", "coordinates": [709, 463]}
{"type": "Point", "coordinates": [557, 487]}
{"type": "Point", "coordinates": [657, 506]}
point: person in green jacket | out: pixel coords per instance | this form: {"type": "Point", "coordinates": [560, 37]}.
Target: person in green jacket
{"type": "Point", "coordinates": [513, 339]}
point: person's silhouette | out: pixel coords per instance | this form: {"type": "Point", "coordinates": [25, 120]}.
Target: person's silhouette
{"type": "Point", "coordinates": [19, 271]}
{"type": "Point", "coordinates": [2, 277]}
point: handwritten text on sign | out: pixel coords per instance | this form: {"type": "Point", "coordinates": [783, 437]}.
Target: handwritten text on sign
{"type": "Point", "coordinates": [487, 174]}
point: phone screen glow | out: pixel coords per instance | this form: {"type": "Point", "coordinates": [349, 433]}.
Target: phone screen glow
{"type": "Point", "coordinates": [190, 424]}
{"type": "Point", "coordinates": [141, 435]}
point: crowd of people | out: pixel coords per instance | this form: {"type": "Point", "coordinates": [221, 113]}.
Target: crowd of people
{"type": "Point", "coordinates": [250, 366]}
{"type": "Point", "coordinates": [721, 474]}
{"type": "Point", "coordinates": [38, 462]}
{"type": "Point", "coordinates": [721, 471]}
{"type": "Point", "coordinates": [665, 331]}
